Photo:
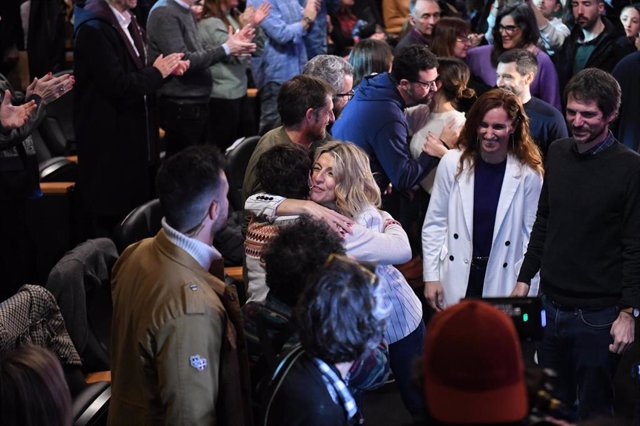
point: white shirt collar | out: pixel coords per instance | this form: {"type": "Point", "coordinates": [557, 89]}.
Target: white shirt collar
{"type": "Point", "coordinates": [203, 253]}
{"type": "Point", "coordinates": [124, 19]}
{"type": "Point", "coordinates": [183, 4]}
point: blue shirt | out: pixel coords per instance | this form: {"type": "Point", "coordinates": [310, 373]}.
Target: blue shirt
{"type": "Point", "coordinates": [284, 54]}
{"type": "Point", "coordinates": [316, 39]}
{"type": "Point", "coordinates": [606, 143]}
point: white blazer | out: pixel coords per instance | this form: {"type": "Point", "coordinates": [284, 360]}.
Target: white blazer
{"type": "Point", "coordinates": [447, 231]}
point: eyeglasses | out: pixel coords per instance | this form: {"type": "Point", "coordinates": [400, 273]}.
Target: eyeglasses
{"type": "Point", "coordinates": [427, 84]}
{"type": "Point", "coordinates": [335, 258]}
{"type": "Point", "coordinates": [350, 94]}
{"type": "Point", "coordinates": [509, 29]}
{"type": "Point", "coordinates": [464, 39]}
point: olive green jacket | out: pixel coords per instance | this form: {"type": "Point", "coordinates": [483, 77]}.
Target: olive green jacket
{"type": "Point", "coordinates": [178, 354]}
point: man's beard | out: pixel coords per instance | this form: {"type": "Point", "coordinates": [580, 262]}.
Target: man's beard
{"type": "Point", "coordinates": [425, 100]}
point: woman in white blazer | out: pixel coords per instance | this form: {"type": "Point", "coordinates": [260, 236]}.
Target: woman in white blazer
{"type": "Point", "coordinates": [483, 206]}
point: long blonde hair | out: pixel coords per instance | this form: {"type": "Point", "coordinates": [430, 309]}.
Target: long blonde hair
{"type": "Point", "coordinates": [356, 189]}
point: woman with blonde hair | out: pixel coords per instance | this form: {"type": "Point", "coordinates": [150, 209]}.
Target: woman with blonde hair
{"type": "Point", "coordinates": [341, 180]}
{"type": "Point", "coordinates": [483, 206]}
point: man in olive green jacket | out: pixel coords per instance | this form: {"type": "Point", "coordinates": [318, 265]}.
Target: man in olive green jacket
{"type": "Point", "coordinates": [177, 348]}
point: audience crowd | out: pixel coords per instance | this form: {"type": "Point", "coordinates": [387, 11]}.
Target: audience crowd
{"type": "Point", "coordinates": [414, 157]}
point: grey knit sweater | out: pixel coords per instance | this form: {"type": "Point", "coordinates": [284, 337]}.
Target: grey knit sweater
{"type": "Point", "coordinates": [172, 28]}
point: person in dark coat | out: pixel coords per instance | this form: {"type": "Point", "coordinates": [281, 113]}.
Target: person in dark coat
{"type": "Point", "coordinates": [605, 46]}
{"type": "Point", "coordinates": [114, 125]}
{"type": "Point", "coordinates": [340, 314]}
{"type": "Point", "coordinates": [19, 177]}
{"type": "Point", "coordinates": [46, 37]}
{"type": "Point", "coordinates": [628, 128]}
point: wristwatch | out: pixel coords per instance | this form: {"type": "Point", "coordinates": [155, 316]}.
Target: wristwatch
{"type": "Point", "coordinates": [307, 22]}
{"type": "Point", "coordinates": [634, 312]}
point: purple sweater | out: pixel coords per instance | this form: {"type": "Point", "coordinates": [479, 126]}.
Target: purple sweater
{"type": "Point", "coordinates": [545, 84]}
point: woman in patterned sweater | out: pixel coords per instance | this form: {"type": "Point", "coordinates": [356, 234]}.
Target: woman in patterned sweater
{"type": "Point", "coordinates": [341, 180]}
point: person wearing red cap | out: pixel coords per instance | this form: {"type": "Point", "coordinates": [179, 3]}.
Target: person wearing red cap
{"type": "Point", "coordinates": [473, 367]}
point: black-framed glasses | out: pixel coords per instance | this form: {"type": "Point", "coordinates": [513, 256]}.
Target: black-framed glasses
{"type": "Point", "coordinates": [464, 38]}
{"type": "Point", "coordinates": [427, 84]}
{"type": "Point", "coordinates": [509, 29]}
{"type": "Point", "coordinates": [350, 94]}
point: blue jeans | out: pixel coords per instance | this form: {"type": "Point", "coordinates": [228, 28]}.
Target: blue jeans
{"type": "Point", "coordinates": [269, 116]}
{"type": "Point", "coordinates": [402, 355]}
{"type": "Point", "coordinates": [576, 346]}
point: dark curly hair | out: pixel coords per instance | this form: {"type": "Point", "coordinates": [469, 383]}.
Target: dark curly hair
{"type": "Point", "coordinates": [284, 170]}
{"type": "Point", "coordinates": [337, 313]}
{"type": "Point", "coordinates": [297, 252]}
{"type": "Point", "coordinates": [525, 20]}
{"type": "Point", "coordinates": [412, 59]}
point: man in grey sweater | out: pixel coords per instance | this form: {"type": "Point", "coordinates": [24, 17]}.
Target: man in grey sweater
{"type": "Point", "coordinates": [183, 100]}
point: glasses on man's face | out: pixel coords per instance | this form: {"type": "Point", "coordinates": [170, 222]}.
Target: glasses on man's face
{"type": "Point", "coordinates": [427, 84]}
{"type": "Point", "coordinates": [350, 94]}
{"type": "Point", "coordinates": [509, 29]}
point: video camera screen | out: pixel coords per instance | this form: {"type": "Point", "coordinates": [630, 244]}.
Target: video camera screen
{"type": "Point", "coordinates": [526, 312]}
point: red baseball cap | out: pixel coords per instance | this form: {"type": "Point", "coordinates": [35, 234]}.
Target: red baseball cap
{"type": "Point", "coordinates": [473, 366]}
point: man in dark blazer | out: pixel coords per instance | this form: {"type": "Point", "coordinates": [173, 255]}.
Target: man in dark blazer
{"type": "Point", "coordinates": [114, 125]}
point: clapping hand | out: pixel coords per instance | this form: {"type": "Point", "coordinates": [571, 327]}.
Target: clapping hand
{"type": "Point", "coordinates": [12, 117]}
{"type": "Point", "coordinates": [240, 43]}
{"type": "Point", "coordinates": [50, 88]}
{"type": "Point", "coordinates": [475, 39]}
{"type": "Point", "coordinates": [171, 64]}
{"type": "Point", "coordinates": [311, 9]}
{"type": "Point", "coordinates": [253, 16]}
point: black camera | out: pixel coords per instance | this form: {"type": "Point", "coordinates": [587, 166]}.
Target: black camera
{"type": "Point", "coordinates": [525, 312]}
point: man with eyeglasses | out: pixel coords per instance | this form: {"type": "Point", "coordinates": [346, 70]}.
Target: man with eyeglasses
{"type": "Point", "coordinates": [375, 121]}
{"type": "Point", "coordinates": [338, 73]}
{"type": "Point", "coordinates": [424, 16]}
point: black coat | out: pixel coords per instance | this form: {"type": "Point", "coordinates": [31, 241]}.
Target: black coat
{"type": "Point", "coordinates": [114, 126]}
{"type": "Point", "coordinates": [609, 51]}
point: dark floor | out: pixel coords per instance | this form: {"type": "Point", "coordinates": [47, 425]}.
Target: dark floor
{"type": "Point", "coordinates": [383, 407]}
